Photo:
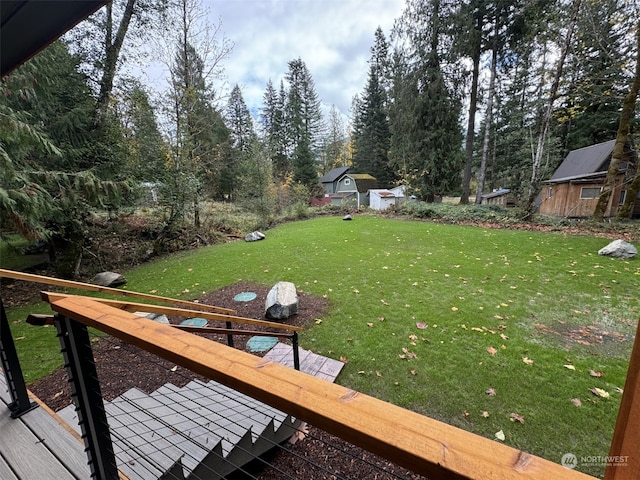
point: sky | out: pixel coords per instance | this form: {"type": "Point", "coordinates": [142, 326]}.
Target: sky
{"type": "Point", "coordinates": [332, 37]}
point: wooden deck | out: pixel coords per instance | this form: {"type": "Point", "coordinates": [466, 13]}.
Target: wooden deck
{"type": "Point", "coordinates": [37, 443]}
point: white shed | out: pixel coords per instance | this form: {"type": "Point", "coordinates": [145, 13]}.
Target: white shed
{"type": "Point", "coordinates": [382, 199]}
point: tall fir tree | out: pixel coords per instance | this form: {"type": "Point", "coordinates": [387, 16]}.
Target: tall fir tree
{"type": "Point", "coordinates": [425, 127]}
{"type": "Point", "coordinates": [371, 123]}
{"type": "Point", "coordinates": [272, 117]}
{"type": "Point", "coordinates": [304, 122]}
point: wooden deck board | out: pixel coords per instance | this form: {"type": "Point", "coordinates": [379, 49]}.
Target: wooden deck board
{"type": "Point", "coordinates": [310, 363]}
{"type": "Point", "coordinates": [25, 453]}
{"type": "Point", "coordinates": [35, 443]}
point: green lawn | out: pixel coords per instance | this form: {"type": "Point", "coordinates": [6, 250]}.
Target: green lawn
{"type": "Point", "coordinates": [431, 317]}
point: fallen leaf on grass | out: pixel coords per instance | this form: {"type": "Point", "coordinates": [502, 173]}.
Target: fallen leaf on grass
{"type": "Point", "coordinates": [491, 351]}
{"type": "Point", "coordinates": [500, 436]}
{"type": "Point", "coordinates": [413, 372]}
{"type": "Point", "coordinates": [503, 336]}
{"type": "Point", "coordinates": [598, 392]}
{"type": "Point", "coordinates": [369, 324]}
{"type": "Point", "coordinates": [491, 392]}
{"type": "Point", "coordinates": [516, 418]}
{"type": "Point", "coordinates": [593, 373]}
{"type": "Point", "coordinates": [569, 367]}
{"type": "Point", "coordinates": [485, 414]}
{"type": "Point", "coordinates": [465, 414]}
{"type": "Point", "coordinates": [421, 325]}
{"type": "Point", "coordinates": [454, 309]}
{"type": "Point", "coordinates": [619, 390]}
{"type": "Point", "coordinates": [378, 374]}
{"type": "Point", "coordinates": [576, 402]}
{"type": "Point", "coordinates": [527, 360]}
{"type": "Point", "coordinates": [343, 359]}
{"type": "Point", "coordinates": [318, 321]}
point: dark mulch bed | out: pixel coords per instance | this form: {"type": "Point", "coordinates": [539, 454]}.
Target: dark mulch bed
{"type": "Point", "coordinates": [122, 366]}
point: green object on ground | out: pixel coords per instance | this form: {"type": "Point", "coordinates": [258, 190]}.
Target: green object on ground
{"type": "Point", "coordinates": [194, 322]}
{"type": "Point", "coordinates": [245, 297]}
{"type": "Point", "coordinates": [261, 344]}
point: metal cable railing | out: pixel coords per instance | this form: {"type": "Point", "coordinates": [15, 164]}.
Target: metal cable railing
{"type": "Point", "coordinates": [212, 421]}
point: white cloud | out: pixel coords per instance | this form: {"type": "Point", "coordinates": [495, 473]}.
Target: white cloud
{"type": "Point", "coordinates": [332, 37]}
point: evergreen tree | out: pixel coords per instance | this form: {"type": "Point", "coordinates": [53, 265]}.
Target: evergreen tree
{"type": "Point", "coordinates": [425, 127]}
{"type": "Point", "coordinates": [242, 137]}
{"type": "Point", "coordinates": [145, 146]}
{"type": "Point", "coordinates": [596, 73]}
{"type": "Point", "coordinates": [371, 122]}
{"type": "Point", "coordinates": [199, 158]}
{"type": "Point", "coordinates": [48, 150]}
{"type": "Point", "coordinates": [274, 131]}
{"type": "Point", "coordinates": [334, 143]}
{"type": "Point", "coordinates": [239, 121]}
{"type": "Point", "coordinates": [304, 122]}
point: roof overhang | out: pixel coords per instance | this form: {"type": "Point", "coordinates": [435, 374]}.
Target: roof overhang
{"type": "Point", "coordinates": [578, 178]}
{"type": "Point", "coordinates": [26, 27]}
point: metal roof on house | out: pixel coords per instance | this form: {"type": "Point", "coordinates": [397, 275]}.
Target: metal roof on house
{"type": "Point", "coordinates": [26, 27]}
{"type": "Point", "coordinates": [584, 162]}
{"type": "Point", "coordinates": [334, 174]}
{"type": "Point", "coordinates": [496, 193]}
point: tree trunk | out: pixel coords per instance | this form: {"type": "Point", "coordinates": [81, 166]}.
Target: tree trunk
{"type": "Point", "coordinates": [626, 210]}
{"type": "Point", "coordinates": [489, 116]}
{"type": "Point", "coordinates": [546, 119]}
{"type": "Point", "coordinates": [112, 53]}
{"type": "Point", "coordinates": [473, 106]}
{"type": "Point", "coordinates": [626, 115]}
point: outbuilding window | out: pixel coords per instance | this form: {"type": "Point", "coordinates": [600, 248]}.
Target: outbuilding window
{"type": "Point", "coordinates": [623, 195]}
{"type": "Point", "coordinates": [587, 193]}
{"type": "Point", "coordinates": [347, 181]}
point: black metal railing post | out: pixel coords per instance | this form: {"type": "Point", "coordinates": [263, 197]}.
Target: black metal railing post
{"type": "Point", "coordinates": [296, 352]}
{"type": "Point", "coordinates": [20, 403]}
{"type": "Point", "coordinates": [229, 335]}
{"type": "Point", "coordinates": [85, 390]}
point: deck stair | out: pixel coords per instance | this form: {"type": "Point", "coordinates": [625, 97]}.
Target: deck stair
{"type": "Point", "coordinates": [203, 430]}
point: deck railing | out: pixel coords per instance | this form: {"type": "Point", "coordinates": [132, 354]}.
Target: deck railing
{"type": "Point", "coordinates": [419, 443]}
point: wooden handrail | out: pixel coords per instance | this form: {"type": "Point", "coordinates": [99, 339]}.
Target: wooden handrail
{"type": "Point", "coordinates": [424, 445]}
{"type": "Point", "coordinates": [28, 277]}
{"type": "Point", "coordinates": [39, 320]}
{"type": "Point", "coordinates": [179, 312]}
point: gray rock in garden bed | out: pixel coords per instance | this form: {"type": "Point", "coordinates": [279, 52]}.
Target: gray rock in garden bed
{"type": "Point", "coordinates": [282, 301]}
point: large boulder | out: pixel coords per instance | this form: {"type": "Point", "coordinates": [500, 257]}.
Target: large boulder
{"type": "Point", "coordinates": [109, 279]}
{"type": "Point", "coordinates": [282, 301]}
{"type": "Point", "coordinates": [619, 249]}
{"type": "Point", "coordinates": [254, 236]}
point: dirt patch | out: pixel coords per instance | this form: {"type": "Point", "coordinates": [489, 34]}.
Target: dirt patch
{"type": "Point", "coordinates": [594, 338]}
